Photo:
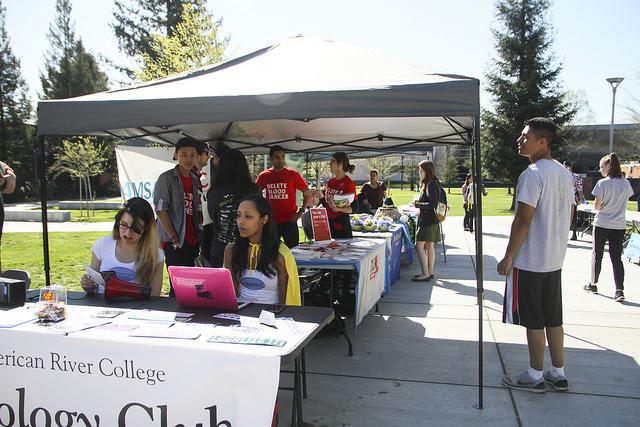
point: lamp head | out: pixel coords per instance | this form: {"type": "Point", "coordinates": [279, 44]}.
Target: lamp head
{"type": "Point", "coordinates": [615, 81]}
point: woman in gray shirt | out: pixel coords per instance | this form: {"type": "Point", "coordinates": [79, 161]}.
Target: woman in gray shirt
{"type": "Point", "coordinates": [611, 193]}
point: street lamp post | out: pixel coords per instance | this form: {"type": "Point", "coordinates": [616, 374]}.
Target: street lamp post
{"type": "Point", "coordinates": [614, 82]}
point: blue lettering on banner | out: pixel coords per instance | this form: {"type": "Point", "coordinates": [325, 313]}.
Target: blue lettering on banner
{"type": "Point", "coordinates": [142, 189]}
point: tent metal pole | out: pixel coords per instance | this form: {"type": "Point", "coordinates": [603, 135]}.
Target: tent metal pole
{"type": "Point", "coordinates": [477, 179]}
{"type": "Point", "coordinates": [43, 208]}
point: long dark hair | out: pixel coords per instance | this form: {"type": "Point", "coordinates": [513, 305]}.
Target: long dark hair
{"type": "Point", "coordinates": [269, 242]}
{"type": "Point", "coordinates": [430, 173]}
{"type": "Point", "coordinates": [232, 171]}
{"type": "Point", "coordinates": [615, 171]}
{"type": "Point", "coordinates": [147, 257]}
{"type": "Point", "coordinates": [342, 158]}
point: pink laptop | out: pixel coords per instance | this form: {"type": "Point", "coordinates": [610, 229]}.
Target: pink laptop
{"type": "Point", "coordinates": [202, 287]}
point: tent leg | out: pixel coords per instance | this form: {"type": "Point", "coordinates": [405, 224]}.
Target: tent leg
{"type": "Point", "coordinates": [477, 178]}
{"type": "Point", "coordinates": [43, 207]}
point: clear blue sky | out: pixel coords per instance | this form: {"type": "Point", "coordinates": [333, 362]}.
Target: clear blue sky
{"type": "Point", "coordinates": [594, 39]}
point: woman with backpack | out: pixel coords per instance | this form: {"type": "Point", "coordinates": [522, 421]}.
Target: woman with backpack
{"type": "Point", "coordinates": [428, 232]}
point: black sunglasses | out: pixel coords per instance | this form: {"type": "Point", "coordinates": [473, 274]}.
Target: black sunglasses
{"type": "Point", "coordinates": [135, 228]}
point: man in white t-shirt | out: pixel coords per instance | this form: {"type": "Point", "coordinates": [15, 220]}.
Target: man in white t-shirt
{"type": "Point", "coordinates": [534, 257]}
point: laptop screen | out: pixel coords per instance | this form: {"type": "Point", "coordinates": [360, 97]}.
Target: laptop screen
{"type": "Point", "coordinates": [201, 287]}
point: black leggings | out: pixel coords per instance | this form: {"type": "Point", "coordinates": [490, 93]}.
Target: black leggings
{"type": "Point", "coordinates": [469, 216]}
{"type": "Point", "coordinates": [615, 238]}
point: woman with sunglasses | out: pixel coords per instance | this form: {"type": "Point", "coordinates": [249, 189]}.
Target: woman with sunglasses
{"type": "Point", "coordinates": [132, 250]}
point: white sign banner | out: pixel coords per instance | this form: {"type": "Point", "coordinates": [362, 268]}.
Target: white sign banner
{"type": "Point", "coordinates": [139, 168]}
{"type": "Point", "coordinates": [52, 380]}
{"type": "Point", "coordinates": [371, 280]}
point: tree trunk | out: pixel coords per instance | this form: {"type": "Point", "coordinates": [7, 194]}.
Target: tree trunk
{"type": "Point", "coordinates": [90, 198]}
{"type": "Point", "coordinates": [513, 199]}
{"type": "Point", "coordinates": [80, 198]}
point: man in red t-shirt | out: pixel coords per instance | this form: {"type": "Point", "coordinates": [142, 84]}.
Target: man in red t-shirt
{"type": "Point", "coordinates": [280, 184]}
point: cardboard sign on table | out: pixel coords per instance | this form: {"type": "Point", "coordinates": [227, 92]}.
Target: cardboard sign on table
{"type": "Point", "coordinates": [320, 225]}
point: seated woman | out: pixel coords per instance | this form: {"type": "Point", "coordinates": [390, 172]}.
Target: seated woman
{"type": "Point", "coordinates": [132, 250]}
{"type": "Point", "coordinates": [262, 266]}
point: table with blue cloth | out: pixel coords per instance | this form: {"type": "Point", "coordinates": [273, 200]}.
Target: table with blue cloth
{"type": "Point", "coordinates": [368, 257]}
{"type": "Point", "coordinates": [396, 238]}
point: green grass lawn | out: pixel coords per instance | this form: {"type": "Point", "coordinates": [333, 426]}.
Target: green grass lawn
{"type": "Point", "coordinates": [68, 254]}
{"type": "Point", "coordinates": [496, 203]}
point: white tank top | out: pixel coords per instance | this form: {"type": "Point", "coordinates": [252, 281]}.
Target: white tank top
{"type": "Point", "coordinates": [256, 286]}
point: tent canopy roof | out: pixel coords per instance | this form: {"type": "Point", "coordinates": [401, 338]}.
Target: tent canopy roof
{"type": "Point", "coordinates": [306, 94]}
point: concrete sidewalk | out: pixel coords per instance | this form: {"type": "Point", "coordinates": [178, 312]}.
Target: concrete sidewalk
{"type": "Point", "coordinates": [416, 361]}
{"type": "Point", "coordinates": [54, 227]}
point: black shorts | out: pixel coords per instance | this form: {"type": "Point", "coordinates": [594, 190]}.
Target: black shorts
{"type": "Point", "coordinates": [533, 300]}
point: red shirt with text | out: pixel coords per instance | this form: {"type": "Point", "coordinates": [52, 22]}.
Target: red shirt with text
{"type": "Point", "coordinates": [190, 232]}
{"type": "Point", "coordinates": [280, 190]}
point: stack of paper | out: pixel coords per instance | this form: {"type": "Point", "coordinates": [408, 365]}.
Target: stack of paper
{"type": "Point", "coordinates": [17, 316]}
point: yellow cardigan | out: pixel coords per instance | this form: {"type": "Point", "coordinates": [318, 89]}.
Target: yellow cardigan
{"type": "Point", "coordinates": [293, 285]}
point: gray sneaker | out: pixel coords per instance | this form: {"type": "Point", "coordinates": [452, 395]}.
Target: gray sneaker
{"type": "Point", "coordinates": [558, 383]}
{"type": "Point", "coordinates": [524, 382]}
{"type": "Point", "coordinates": [619, 296]}
{"type": "Point", "coordinates": [591, 288]}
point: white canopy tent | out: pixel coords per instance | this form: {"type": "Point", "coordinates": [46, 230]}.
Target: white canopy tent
{"type": "Point", "coordinates": [308, 95]}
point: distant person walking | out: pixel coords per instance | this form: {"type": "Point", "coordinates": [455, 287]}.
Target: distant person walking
{"type": "Point", "coordinates": [428, 232]}
{"type": "Point", "coordinates": [466, 187]}
{"type": "Point", "coordinates": [534, 257]}
{"type": "Point", "coordinates": [468, 191]}
{"type": "Point", "coordinates": [579, 195]}
{"type": "Point", "coordinates": [612, 193]}
{"type": "Point", "coordinates": [7, 186]}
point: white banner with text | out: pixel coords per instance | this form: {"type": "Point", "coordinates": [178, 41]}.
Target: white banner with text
{"type": "Point", "coordinates": [51, 380]}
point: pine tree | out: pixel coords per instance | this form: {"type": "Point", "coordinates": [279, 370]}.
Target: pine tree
{"type": "Point", "coordinates": [16, 135]}
{"type": "Point", "coordinates": [523, 84]}
{"type": "Point", "coordinates": [194, 44]}
{"type": "Point", "coordinates": [69, 69]}
{"type": "Point", "coordinates": [136, 21]}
